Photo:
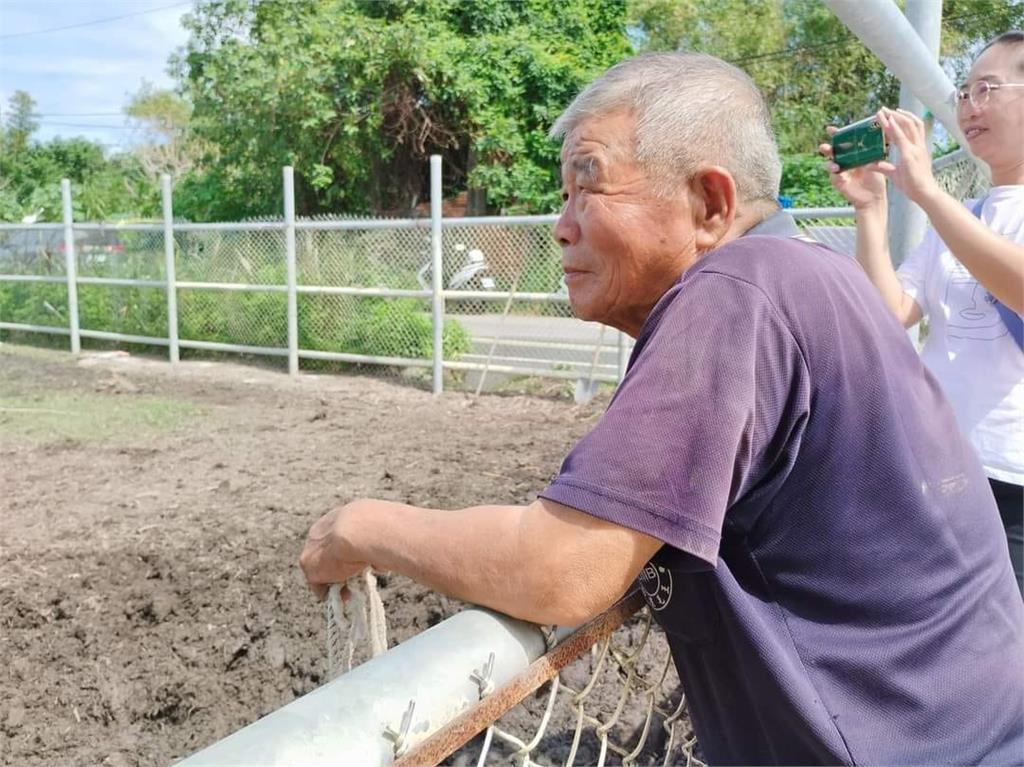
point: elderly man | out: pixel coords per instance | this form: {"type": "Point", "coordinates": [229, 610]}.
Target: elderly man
{"type": "Point", "coordinates": [776, 468]}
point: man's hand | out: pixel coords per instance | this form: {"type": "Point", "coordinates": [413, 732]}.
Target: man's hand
{"type": "Point", "coordinates": [327, 555]}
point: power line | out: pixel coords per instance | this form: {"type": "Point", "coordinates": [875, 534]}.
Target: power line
{"type": "Point", "coordinates": [93, 22]}
{"type": "Point", "coordinates": [77, 114]}
{"type": "Point", "coordinates": [844, 40]}
{"type": "Point", "coordinates": [86, 125]}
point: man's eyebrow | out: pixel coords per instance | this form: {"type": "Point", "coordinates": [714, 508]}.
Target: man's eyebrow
{"type": "Point", "coordinates": [585, 167]}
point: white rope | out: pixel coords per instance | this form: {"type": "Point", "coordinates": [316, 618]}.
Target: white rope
{"type": "Point", "coordinates": [364, 616]}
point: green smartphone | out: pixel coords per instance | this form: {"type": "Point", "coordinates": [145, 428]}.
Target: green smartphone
{"type": "Point", "coordinates": [858, 144]}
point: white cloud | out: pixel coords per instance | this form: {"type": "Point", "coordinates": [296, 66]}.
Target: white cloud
{"type": "Point", "coordinates": [89, 69]}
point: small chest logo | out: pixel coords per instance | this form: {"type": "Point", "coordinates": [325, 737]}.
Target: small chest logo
{"type": "Point", "coordinates": [656, 583]}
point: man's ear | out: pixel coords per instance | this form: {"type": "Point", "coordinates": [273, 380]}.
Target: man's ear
{"type": "Point", "coordinates": [713, 192]}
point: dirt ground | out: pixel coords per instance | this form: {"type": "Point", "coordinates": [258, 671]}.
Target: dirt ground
{"type": "Point", "coordinates": [150, 602]}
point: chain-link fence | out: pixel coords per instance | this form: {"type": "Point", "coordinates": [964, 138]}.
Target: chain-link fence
{"type": "Point", "coordinates": [350, 292]}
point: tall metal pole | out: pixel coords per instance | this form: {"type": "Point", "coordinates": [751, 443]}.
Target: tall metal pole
{"type": "Point", "coordinates": [70, 266]}
{"type": "Point", "coordinates": [289, 255]}
{"type": "Point", "coordinates": [169, 273]}
{"type": "Point", "coordinates": [907, 222]}
{"type": "Point", "coordinates": [883, 28]}
{"type": "Point", "coordinates": [622, 356]}
{"type": "Point", "coordinates": [437, 278]}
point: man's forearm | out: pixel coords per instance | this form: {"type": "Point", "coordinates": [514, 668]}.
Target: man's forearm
{"type": "Point", "coordinates": [468, 554]}
{"type": "Point", "coordinates": [493, 556]}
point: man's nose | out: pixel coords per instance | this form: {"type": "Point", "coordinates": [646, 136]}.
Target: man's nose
{"type": "Point", "coordinates": [567, 230]}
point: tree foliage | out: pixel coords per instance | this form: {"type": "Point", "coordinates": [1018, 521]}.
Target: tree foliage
{"type": "Point", "coordinates": [357, 94]}
{"type": "Point", "coordinates": [166, 142]}
{"type": "Point", "coordinates": [19, 123]}
{"type": "Point", "coordinates": [103, 188]}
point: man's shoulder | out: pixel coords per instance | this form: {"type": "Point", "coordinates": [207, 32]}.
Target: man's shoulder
{"type": "Point", "coordinates": [757, 256]}
{"type": "Point", "coordinates": [785, 270]}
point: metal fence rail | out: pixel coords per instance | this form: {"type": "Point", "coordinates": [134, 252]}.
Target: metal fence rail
{"type": "Point", "coordinates": [479, 297]}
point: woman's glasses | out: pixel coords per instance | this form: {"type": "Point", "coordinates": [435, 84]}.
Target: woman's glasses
{"type": "Point", "coordinates": [978, 93]}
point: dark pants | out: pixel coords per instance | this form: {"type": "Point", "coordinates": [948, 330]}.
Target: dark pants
{"type": "Point", "coordinates": [1010, 500]}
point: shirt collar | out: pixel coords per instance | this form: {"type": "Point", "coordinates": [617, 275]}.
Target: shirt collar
{"type": "Point", "coordinates": [779, 224]}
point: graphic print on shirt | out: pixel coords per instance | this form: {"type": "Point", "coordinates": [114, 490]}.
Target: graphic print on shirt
{"type": "Point", "coordinates": [972, 312]}
{"type": "Point", "coordinates": [656, 584]}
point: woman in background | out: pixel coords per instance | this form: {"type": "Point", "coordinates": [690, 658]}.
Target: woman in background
{"type": "Point", "coordinates": [967, 275]}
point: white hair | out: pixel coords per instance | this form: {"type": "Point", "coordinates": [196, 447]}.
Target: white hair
{"type": "Point", "coordinates": [691, 109]}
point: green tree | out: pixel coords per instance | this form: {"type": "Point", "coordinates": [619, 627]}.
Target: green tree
{"type": "Point", "coordinates": [19, 122]}
{"type": "Point", "coordinates": [812, 70]}
{"type": "Point", "coordinates": [103, 188]}
{"type": "Point", "coordinates": [166, 143]}
{"type": "Point", "coordinates": [356, 94]}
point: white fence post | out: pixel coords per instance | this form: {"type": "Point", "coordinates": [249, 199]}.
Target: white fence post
{"type": "Point", "coordinates": [169, 273]}
{"type": "Point", "coordinates": [437, 277]}
{"type": "Point", "coordinates": [623, 357]}
{"type": "Point", "coordinates": [71, 266]}
{"type": "Point", "coordinates": [289, 255]}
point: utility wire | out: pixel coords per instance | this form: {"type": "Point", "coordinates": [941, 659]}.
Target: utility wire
{"type": "Point", "coordinates": [843, 40]}
{"type": "Point", "coordinates": [93, 22]}
{"type": "Point", "coordinates": [86, 125]}
{"type": "Point", "coordinates": [77, 114]}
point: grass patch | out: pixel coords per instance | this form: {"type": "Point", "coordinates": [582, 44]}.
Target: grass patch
{"type": "Point", "coordinates": [86, 417]}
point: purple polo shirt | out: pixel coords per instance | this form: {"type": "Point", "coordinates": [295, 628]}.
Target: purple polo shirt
{"type": "Point", "coordinates": [835, 584]}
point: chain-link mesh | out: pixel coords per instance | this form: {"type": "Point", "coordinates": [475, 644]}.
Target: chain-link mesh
{"type": "Point", "coordinates": [607, 693]}
{"type": "Point", "coordinates": [32, 250]}
{"type": "Point", "coordinates": [619, 703]}
{"type": "Point", "coordinates": [398, 259]}
{"type": "Point", "coordinates": [837, 232]}
{"type": "Point", "coordinates": [256, 316]}
{"type": "Point", "coordinates": [510, 333]}
{"type": "Point", "coordinates": [111, 253]}
{"type": "Point", "coordinates": [960, 176]}
{"type": "Point", "coordinates": [35, 251]}
{"type": "Point", "coordinates": [136, 311]}
{"type": "Point", "coordinates": [371, 326]}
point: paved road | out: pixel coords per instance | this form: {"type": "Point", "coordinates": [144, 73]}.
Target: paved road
{"type": "Point", "coordinates": [542, 342]}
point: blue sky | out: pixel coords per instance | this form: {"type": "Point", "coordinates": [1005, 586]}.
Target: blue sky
{"type": "Point", "coordinates": [81, 77]}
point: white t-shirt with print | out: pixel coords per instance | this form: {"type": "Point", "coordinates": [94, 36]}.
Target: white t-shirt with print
{"type": "Point", "coordinates": [969, 349]}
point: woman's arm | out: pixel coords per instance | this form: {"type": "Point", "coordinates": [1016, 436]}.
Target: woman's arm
{"type": "Point", "coordinates": [864, 189]}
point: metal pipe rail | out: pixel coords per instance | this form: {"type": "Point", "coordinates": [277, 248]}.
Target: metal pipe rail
{"type": "Point", "coordinates": [390, 703]}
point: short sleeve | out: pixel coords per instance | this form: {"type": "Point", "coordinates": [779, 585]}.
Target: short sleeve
{"type": "Point", "coordinates": [707, 402]}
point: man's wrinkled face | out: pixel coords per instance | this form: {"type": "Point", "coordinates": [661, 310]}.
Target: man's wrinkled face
{"type": "Point", "coordinates": [622, 246]}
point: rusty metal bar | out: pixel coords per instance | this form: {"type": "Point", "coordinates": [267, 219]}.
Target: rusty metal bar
{"type": "Point", "coordinates": [460, 730]}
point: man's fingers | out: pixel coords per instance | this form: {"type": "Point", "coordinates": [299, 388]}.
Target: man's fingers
{"type": "Point", "coordinates": [319, 591]}
{"type": "Point", "coordinates": [831, 130]}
